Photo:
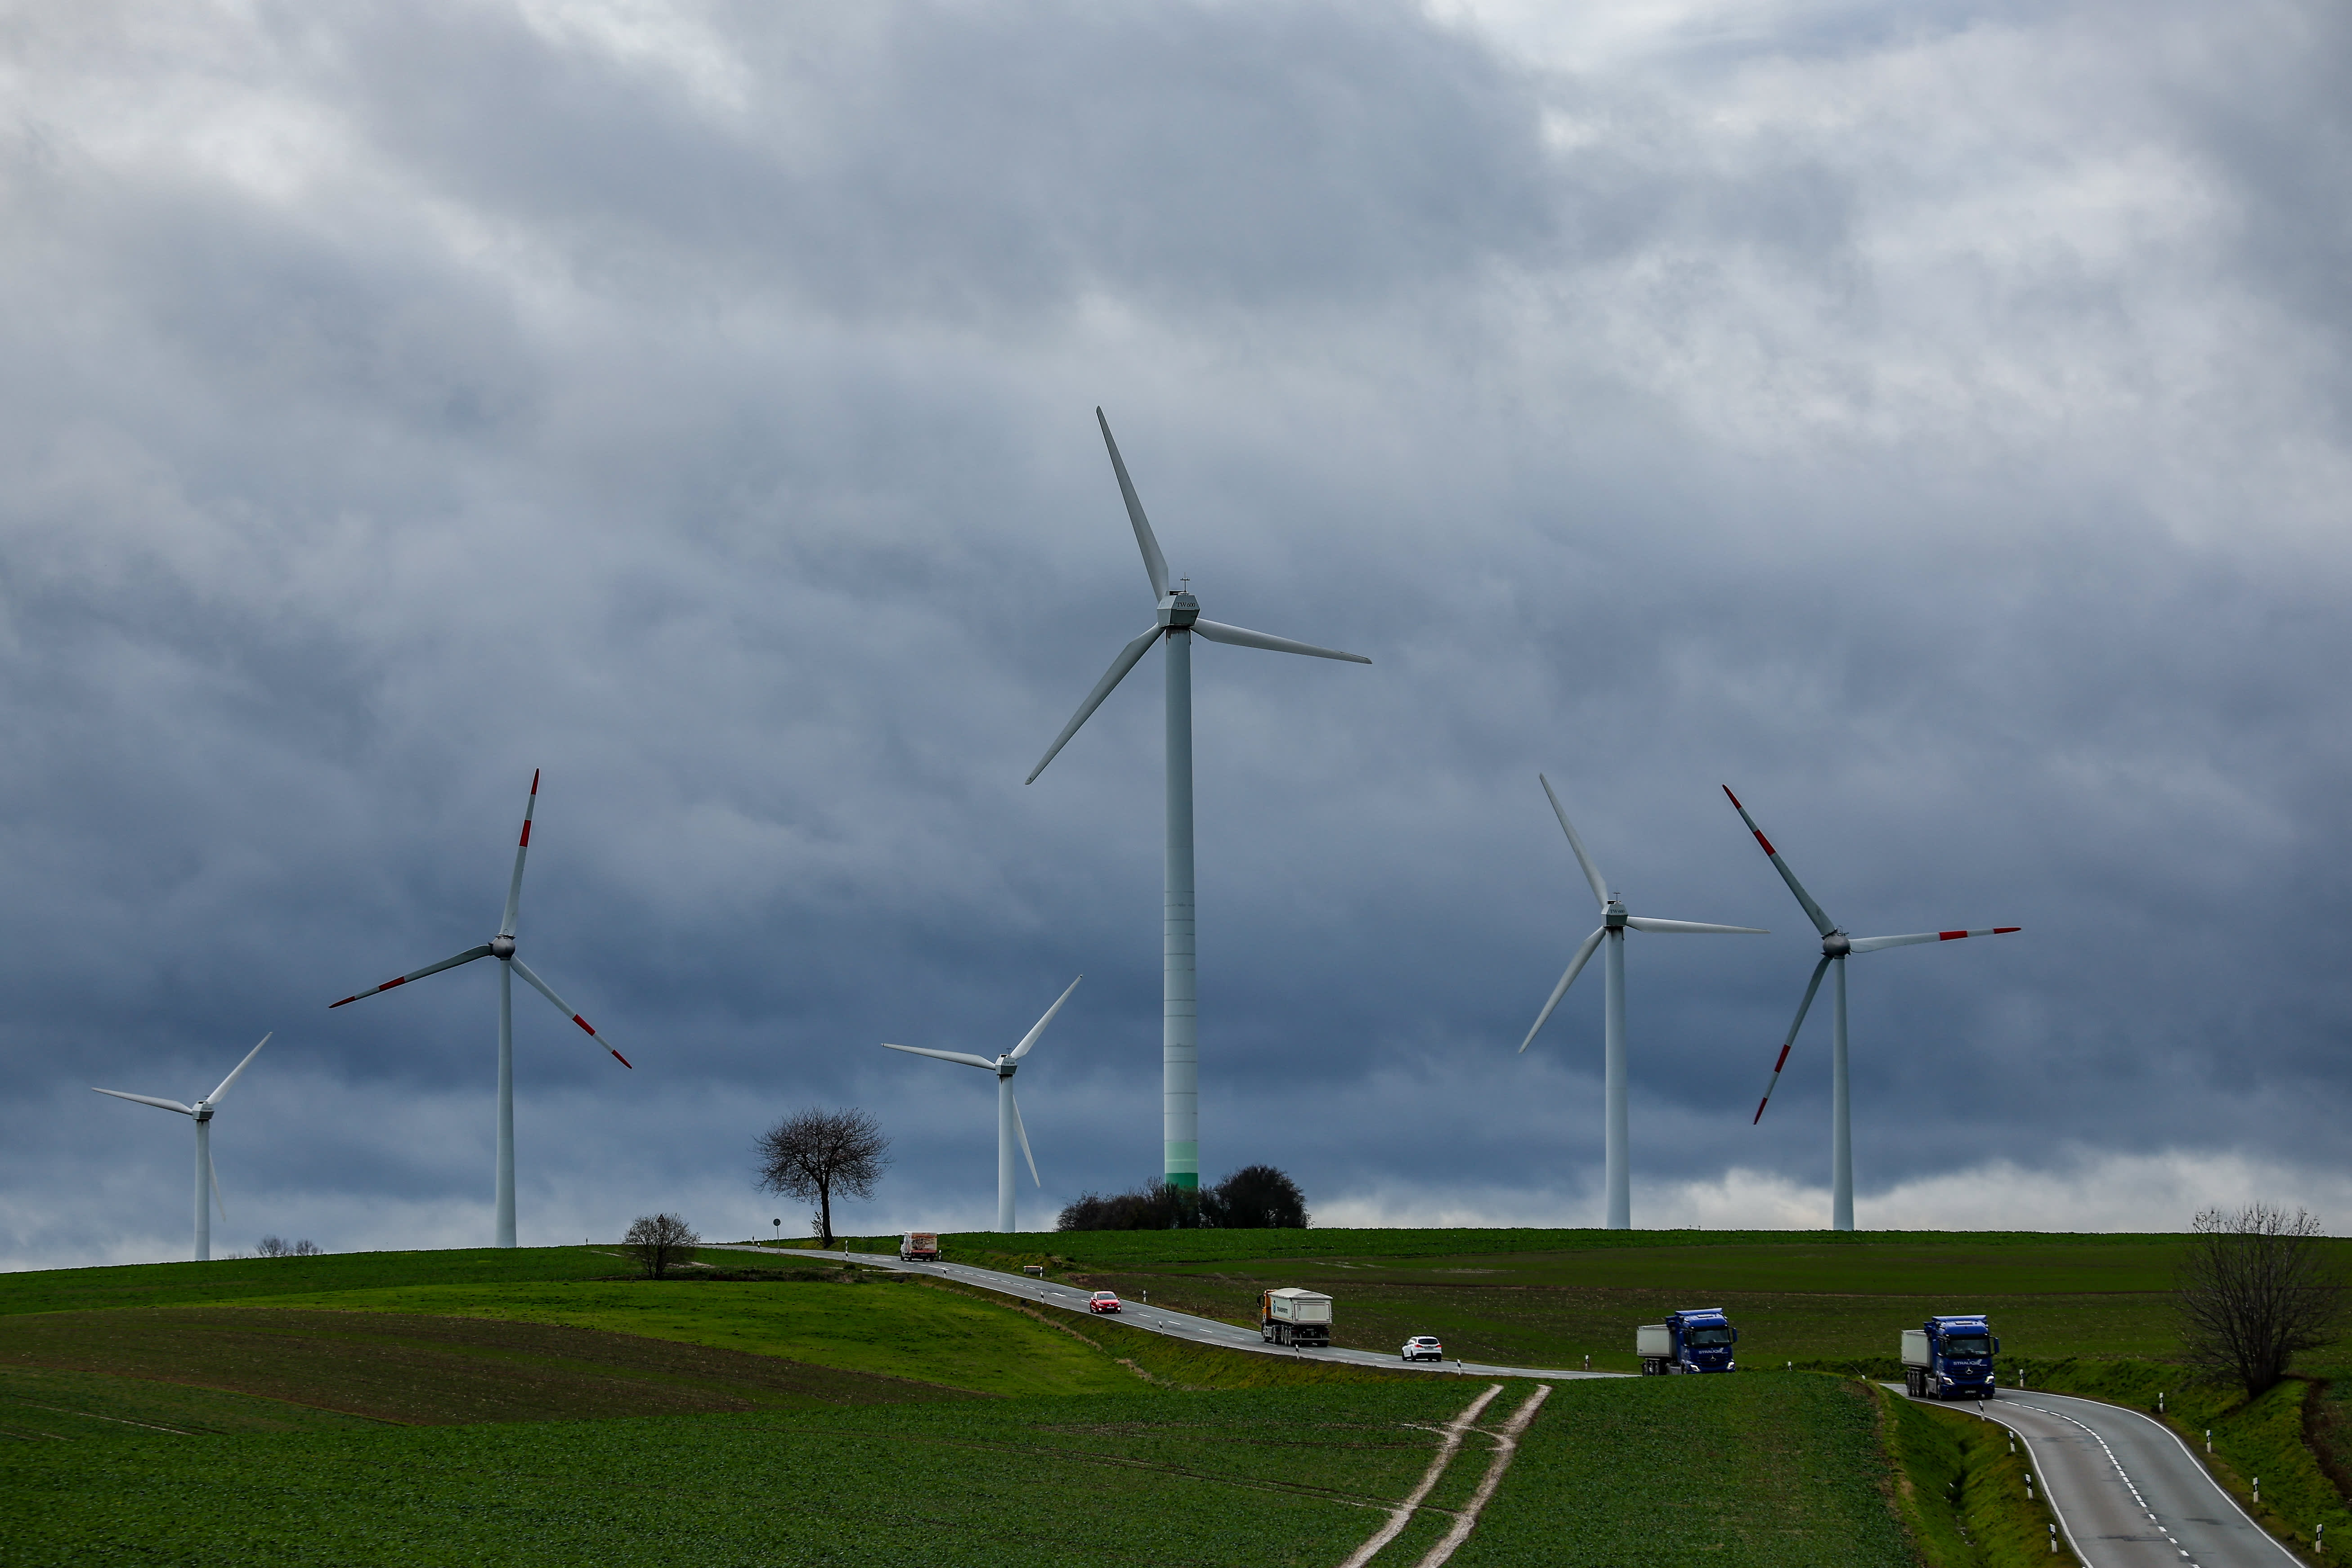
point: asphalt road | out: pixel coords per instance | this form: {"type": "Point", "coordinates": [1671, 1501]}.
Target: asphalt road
{"type": "Point", "coordinates": [1158, 1320]}
{"type": "Point", "coordinates": [2127, 1490]}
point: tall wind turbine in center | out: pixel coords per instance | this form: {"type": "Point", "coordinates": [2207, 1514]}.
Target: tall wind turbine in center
{"type": "Point", "coordinates": [1179, 619]}
{"type": "Point", "coordinates": [1616, 1164]}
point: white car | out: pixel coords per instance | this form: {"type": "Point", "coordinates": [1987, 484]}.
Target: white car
{"type": "Point", "coordinates": [1422, 1347]}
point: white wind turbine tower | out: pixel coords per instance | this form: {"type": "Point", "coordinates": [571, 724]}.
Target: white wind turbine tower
{"type": "Point", "coordinates": [208, 1180]}
{"type": "Point", "coordinates": [503, 948]}
{"type": "Point", "coordinates": [1008, 1110]}
{"type": "Point", "coordinates": [1836, 946]}
{"type": "Point", "coordinates": [1179, 619]}
{"type": "Point", "coordinates": [1614, 924]}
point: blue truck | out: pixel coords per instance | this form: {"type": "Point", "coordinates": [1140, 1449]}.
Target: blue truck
{"type": "Point", "coordinates": [1950, 1358]}
{"type": "Point", "coordinates": [1696, 1339]}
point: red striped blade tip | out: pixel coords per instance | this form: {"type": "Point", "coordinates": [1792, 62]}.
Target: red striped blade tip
{"type": "Point", "coordinates": [534, 781]}
{"type": "Point", "coordinates": [333, 1006]}
{"type": "Point", "coordinates": [2004, 930]}
{"type": "Point", "coordinates": [620, 1059]}
{"type": "Point", "coordinates": [1733, 798]}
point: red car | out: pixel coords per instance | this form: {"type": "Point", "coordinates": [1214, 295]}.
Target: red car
{"type": "Point", "coordinates": [1103, 1301]}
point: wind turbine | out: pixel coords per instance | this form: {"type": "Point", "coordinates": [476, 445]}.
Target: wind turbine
{"type": "Point", "coordinates": [1008, 1109]}
{"type": "Point", "coordinates": [206, 1177]}
{"type": "Point", "coordinates": [1179, 619]}
{"type": "Point", "coordinates": [1614, 924]}
{"type": "Point", "coordinates": [503, 948]}
{"type": "Point", "coordinates": [1836, 946]}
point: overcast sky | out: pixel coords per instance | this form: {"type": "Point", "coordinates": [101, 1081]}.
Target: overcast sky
{"type": "Point", "coordinates": [1931, 420]}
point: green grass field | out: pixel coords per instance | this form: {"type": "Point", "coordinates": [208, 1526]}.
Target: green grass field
{"type": "Point", "coordinates": [543, 1405]}
{"type": "Point", "coordinates": [1257, 1477]}
{"type": "Point", "coordinates": [1550, 1298]}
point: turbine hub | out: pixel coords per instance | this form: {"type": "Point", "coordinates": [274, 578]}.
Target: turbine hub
{"type": "Point", "coordinates": [1178, 610]}
{"type": "Point", "coordinates": [1837, 944]}
{"type": "Point", "coordinates": [501, 947]}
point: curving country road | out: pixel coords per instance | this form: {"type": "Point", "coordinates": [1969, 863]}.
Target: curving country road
{"type": "Point", "coordinates": [1158, 1320]}
{"type": "Point", "coordinates": [2128, 1492]}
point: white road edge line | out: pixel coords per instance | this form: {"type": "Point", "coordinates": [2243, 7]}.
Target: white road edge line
{"type": "Point", "coordinates": [2048, 1497]}
{"type": "Point", "coordinates": [1507, 1444]}
{"type": "Point", "coordinates": [1402, 1514]}
{"type": "Point", "coordinates": [2185, 1448]}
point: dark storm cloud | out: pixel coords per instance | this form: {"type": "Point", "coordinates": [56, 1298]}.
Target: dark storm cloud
{"type": "Point", "coordinates": [1888, 420]}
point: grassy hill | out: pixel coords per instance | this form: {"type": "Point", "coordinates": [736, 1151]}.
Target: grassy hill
{"type": "Point", "coordinates": [541, 1405]}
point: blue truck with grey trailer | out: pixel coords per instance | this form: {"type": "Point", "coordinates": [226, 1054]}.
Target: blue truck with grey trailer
{"type": "Point", "coordinates": [1949, 1357]}
{"type": "Point", "coordinates": [1696, 1339]}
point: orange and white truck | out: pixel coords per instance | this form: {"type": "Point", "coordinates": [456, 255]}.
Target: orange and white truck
{"type": "Point", "coordinates": [918, 1246]}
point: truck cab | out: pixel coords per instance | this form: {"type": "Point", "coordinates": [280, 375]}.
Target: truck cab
{"type": "Point", "coordinates": [1696, 1339]}
{"type": "Point", "coordinates": [1949, 1357]}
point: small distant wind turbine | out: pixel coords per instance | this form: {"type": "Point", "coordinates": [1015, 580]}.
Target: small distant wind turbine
{"type": "Point", "coordinates": [206, 1178]}
{"type": "Point", "coordinates": [1179, 1021]}
{"type": "Point", "coordinates": [503, 948]}
{"type": "Point", "coordinates": [1008, 1110]}
{"type": "Point", "coordinates": [1835, 948]}
{"type": "Point", "coordinates": [1614, 922]}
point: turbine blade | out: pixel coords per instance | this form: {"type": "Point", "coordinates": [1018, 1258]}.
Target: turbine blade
{"type": "Point", "coordinates": [1241, 637]}
{"type": "Point", "coordinates": [218, 1201]}
{"type": "Point", "coordinates": [964, 1056]}
{"type": "Point", "coordinates": [215, 1097]}
{"type": "Point", "coordinates": [514, 886]}
{"type": "Point", "coordinates": [1644, 922]}
{"type": "Point", "coordinates": [1873, 943]}
{"type": "Point", "coordinates": [1030, 1038]}
{"type": "Point", "coordinates": [1023, 1133]}
{"type": "Point", "coordinates": [1821, 921]}
{"type": "Point", "coordinates": [1575, 967]}
{"type": "Point", "coordinates": [536, 984]}
{"type": "Point", "coordinates": [1155, 565]}
{"type": "Point", "coordinates": [1782, 1060]}
{"type": "Point", "coordinates": [148, 1100]}
{"type": "Point", "coordinates": [1591, 872]}
{"type": "Point", "coordinates": [467, 956]}
{"type": "Point", "coordinates": [1111, 676]}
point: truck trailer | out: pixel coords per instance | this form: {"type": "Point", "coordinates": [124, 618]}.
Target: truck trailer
{"type": "Point", "coordinates": [1294, 1318]}
{"type": "Point", "coordinates": [1696, 1339]}
{"type": "Point", "coordinates": [1950, 1358]}
{"type": "Point", "coordinates": [918, 1245]}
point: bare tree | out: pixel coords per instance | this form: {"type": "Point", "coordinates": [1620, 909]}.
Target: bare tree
{"type": "Point", "coordinates": [2255, 1287]}
{"type": "Point", "coordinates": [661, 1241]}
{"type": "Point", "coordinates": [819, 1153]}
{"type": "Point", "coordinates": [279, 1247]}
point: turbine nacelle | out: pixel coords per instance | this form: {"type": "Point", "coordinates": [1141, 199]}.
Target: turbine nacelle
{"type": "Point", "coordinates": [1178, 610]}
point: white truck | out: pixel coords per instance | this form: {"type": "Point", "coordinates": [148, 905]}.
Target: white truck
{"type": "Point", "coordinates": [1294, 1318]}
{"type": "Point", "coordinates": [918, 1246]}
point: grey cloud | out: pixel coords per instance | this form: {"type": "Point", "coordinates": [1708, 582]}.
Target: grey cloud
{"type": "Point", "coordinates": [734, 463]}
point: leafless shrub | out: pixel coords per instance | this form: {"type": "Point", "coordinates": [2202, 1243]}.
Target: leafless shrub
{"type": "Point", "coordinates": [278, 1246]}
{"type": "Point", "coordinates": [2256, 1287]}
{"type": "Point", "coordinates": [661, 1241]}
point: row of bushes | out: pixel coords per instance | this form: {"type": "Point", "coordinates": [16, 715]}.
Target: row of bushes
{"type": "Point", "coordinates": [1255, 1197]}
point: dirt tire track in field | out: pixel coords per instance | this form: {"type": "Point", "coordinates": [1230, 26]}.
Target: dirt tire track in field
{"type": "Point", "coordinates": [1402, 1514]}
{"type": "Point", "coordinates": [1507, 1444]}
